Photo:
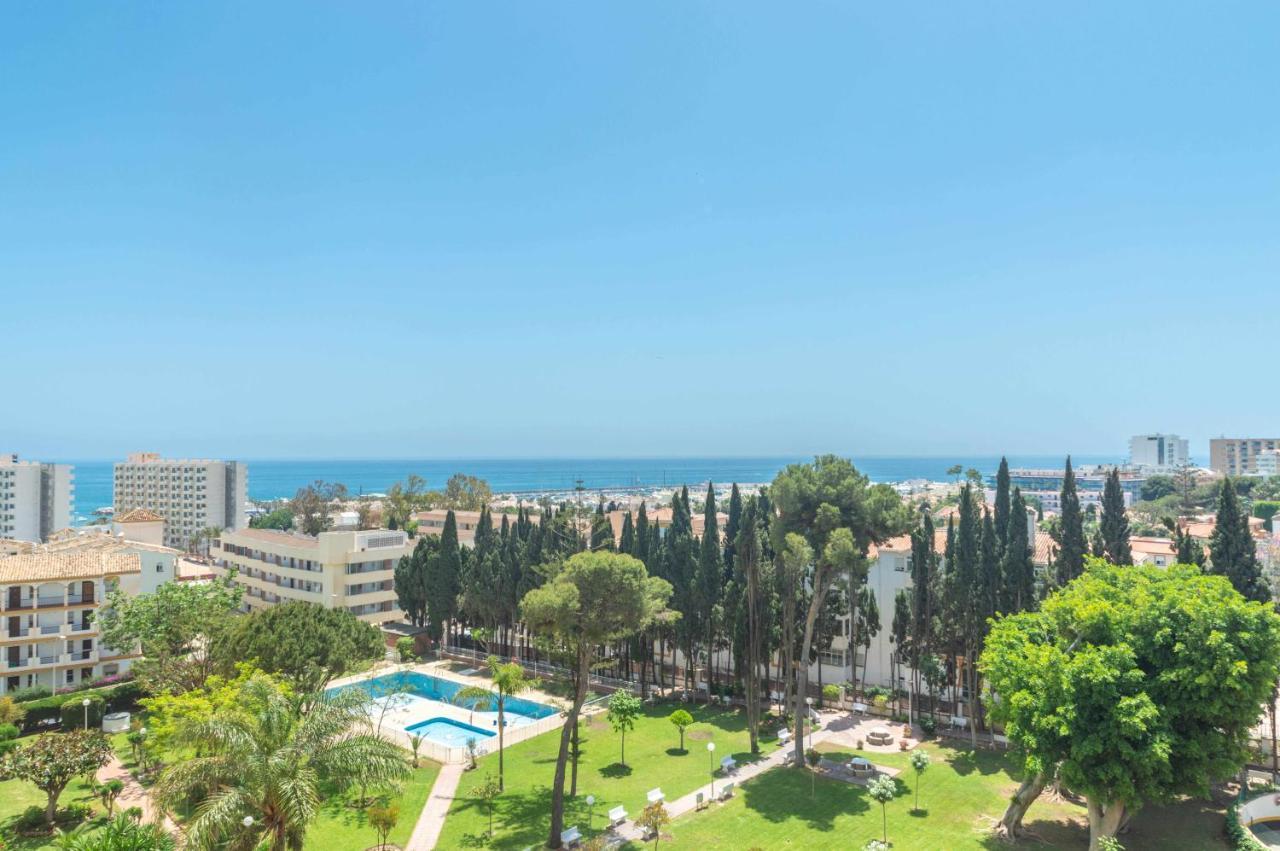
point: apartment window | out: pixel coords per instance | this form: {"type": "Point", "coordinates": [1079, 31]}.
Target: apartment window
{"type": "Point", "coordinates": [834, 658]}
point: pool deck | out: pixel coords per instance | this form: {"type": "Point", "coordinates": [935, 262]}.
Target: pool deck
{"type": "Point", "coordinates": [391, 717]}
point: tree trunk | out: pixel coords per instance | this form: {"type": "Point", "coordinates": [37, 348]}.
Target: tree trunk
{"type": "Point", "coordinates": [1104, 820]}
{"type": "Point", "coordinates": [570, 728]}
{"type": "Point", "coordinates": [1272, 713]}
{"type": "Point", "coordinates": [753, 660]}
{"type": "Point", "coordinates": [815, 606]}
{"type": "Point", "coordinates": [1011, 822]}
{"type": "Point", "coordinates": [51, 807]}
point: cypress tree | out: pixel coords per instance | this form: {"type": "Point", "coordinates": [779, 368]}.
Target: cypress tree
{"type": "Point", "coordinates": [1232, 551]}
{"type": "Point", "coordinates": [642, 551]}
{"type": "Point", "coordinates": [1018, 573]}
{"type": "Point", "coordinates": [924, 564]}
{"type": "Point", "coordinates": [1002, 504]}
{"type": "Point", "coordinates": [443, 578]}
{"type": "Point", "coordinates": [627, 544]}
{"type": "Point", "coordinates": [731, 527]}
{"type": "Point", "coordinates": [1189, 552]}
{"type": "Point", "coordinates": [1071, 542]}
{"type": "Point", "coordinates": [967, 593]}
{"type": "Point", "coordinates": [990, 590]}
{"type": "Point", "coordinates": [601, 530]}
{"type": "Point", "coordinates": [710, 576]}
{"type": "Point", "coordinates": [1114, 526]}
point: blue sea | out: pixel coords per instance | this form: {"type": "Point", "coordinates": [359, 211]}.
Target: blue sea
{"type": "Point", "coordinates": [272, 479]}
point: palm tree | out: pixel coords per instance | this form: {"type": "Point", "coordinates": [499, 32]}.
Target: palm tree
{"type": "Point", "coordinates": [508, 679]}
{"type": "Point", "coordinates": [473, 698]}
{"type": "Point", "coordinates": [122, 833]}
{"type": "Point", "coordinates": [257, 784]}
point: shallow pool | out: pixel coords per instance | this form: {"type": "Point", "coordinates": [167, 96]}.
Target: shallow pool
{"type": "Point", "coordinates": [448, 732]}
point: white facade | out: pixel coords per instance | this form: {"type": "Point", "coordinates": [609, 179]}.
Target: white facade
{"type": "Point", "coordinates": [1268, 462]}
{"type": "Point", "coordinates": [351, 570]}
{"type": "Point", "coordinates": [191, 495]}
{"type": "Point", "coordinates": [1158, 451]}
{"type": "Point", "coordinates": [35, 498]}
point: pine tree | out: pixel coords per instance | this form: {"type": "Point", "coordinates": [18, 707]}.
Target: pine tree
{"type": "Point", "coordinates": [1002, 504]}
{"type": "Point", "coordinates": [1232, 550]}
{"type": "Point", "coordinates": [1189, 551]}
{"type": "Point", "coordinates": [443, 579]}
{"type": "Point", "coordinates": [1071, 542]}
{"type": "Point", "coordinates": [1114, 525]}
{"type": "Point", "coordinates": [601, 530]}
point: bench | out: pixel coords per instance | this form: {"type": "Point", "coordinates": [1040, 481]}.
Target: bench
{"type": "Point", "coordinates": [959, 722]}
{"type": "Point", "coordinates": [728, 764]}
{"type": "Point", "coordinates": [617, 815]}
{"type": "Point", "coordinates": [727, 792]}
{"type": "Point", "coordinates": [1000, 739]}
{"type": "Point", "coordinates": [571, 837]}
{"type": "Point", "coordinates": [860, 709]}
{"type": "Point", "coordinates": [699, 802]}
{"type": "Point", "coordinates": [784, 736]}
{"type": "Point", "coordinates": [655, 795]}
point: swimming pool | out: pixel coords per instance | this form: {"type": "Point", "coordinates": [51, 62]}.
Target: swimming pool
{"type": "Point", "coordinates": [428, 706]}
{"type": "Point", "coordinates": [448, 732]}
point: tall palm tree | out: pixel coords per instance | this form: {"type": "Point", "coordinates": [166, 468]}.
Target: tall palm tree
{"type": "Point", "coordinates": [267, 761]}
{"type": "Point", "coordinates": [508, 679]}
{"type": "Point", "coordinates": [473, 699]}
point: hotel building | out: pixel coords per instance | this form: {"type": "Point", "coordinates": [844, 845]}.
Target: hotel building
{"type": "Point", "coordinates": [1158, 451]}
{"type": "Point", "coordinates": [349, 570]}
{"type": "Point", "coordinates": [35, 498]}
{"type": "Point", "coordinates": [189, 495]}
{"type": "Point", "coordinates": [1239, 456]}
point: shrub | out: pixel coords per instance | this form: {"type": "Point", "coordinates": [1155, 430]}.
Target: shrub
{"type": "Point", "coordinates": [929, 725]}
{"type": "Point", "coordinates": [8, 732]}
{"type": "Point", "coordinates": [405, 647]}
{"type": "Point", "coordinates": [1238, 835]}
{"type": "Point", "coordinates": [23, 695]}
{"type": "Point", "coordinates": [32, 818]}
{"type": "Point", "coordinates": [831, 693]}
{"type": "Point", "coordinates": [119, 697]}
{"type": "Point", "coordinates": [74, 715]}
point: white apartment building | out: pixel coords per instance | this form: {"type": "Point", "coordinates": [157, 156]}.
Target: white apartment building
{"type": "Point", "coordinates": [48, 600]}
{"type": "Point", "coordinates": [350, 570]}
{"type": "Point", "coordinates": [35, 498]}
{"type": "Point", "coordinates": [1158, 451]}
{"type": "Point", "coordinates": [191, 495]}
{"type": "Point", "coordinates": [1268, 462]}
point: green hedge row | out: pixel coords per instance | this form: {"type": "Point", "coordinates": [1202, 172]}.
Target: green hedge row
{"type": "Point", "coordinates": [1240, 837]}
{"type": "Point", "coordinates": [116, 698]}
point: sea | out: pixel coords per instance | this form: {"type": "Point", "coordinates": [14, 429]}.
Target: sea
{"type": "Point", "coordinates": [275, 479]}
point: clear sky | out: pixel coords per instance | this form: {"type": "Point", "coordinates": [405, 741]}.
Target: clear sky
{"type": "Point", "coordinates": [436, 229]}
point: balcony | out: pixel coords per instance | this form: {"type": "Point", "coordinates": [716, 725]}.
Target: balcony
{"type": "Point", "coordinates": [80, 656]}
{"type": "Point", "coordinates": [14, 664]}
{"type": "Point", "coordinates": [21, 632]}
{"type": "Point", "coordinates": [50, 629]}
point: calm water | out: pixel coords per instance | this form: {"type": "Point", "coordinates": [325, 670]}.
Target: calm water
{"type": "Point", "coordinates": [272, 479]}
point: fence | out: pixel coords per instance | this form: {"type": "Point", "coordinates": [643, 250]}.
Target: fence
{"type": "Point", "coordinates": [540, 669]}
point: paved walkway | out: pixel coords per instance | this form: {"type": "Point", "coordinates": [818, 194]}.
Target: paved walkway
{"type": "Point", "coordinates": [134, 794]}
{"type": "Point", "coordinates": [427, 831]}
{"type": "Point", "coordinates": [688, 803]}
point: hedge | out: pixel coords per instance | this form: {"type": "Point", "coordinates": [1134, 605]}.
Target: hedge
{"type": "Point", "coordinates": [1240, 837]}
{"type": "Point", "coordinates": [75, 715]}
{"type": "Point", "coordinates": [117, 698]}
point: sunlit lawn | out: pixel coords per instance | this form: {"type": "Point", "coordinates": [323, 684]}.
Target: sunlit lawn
{"type": "Point", "coordinates": [341, 827]}
{"type": "Point", "coordinates": [522, 813]}
{"type": "Point", "coordinates": [17, 795]}
{"type": "Point", "coordinates": [962, 793]}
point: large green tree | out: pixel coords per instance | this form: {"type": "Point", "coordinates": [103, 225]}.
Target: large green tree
{"type": "Point", "coordinates": [1072, 547]}
{"type": "Point", "coordinates": [174, 626]}
{"type": "Point", "coordinates": [1232, 551]}
{"type": "Point", "coordinates": [1132, 685]}
{"type": "Point", "coordinates": [306, 643]}
{"type": "Point", "coordinates": [53, 760]}
{"type": "Point", "coordinates": [840, 514]}
{"type": "Point", "coordinates": [1114, 525]}
{"type": "Point", "coordinates": [411, 580]}
{"type": "Point", "coordinates": [1004, 506]}
{"type": "Point", "coordinates": [443, 579]}
{"type": "Point", "coordinates": [593, 599]}
{"type": "Point", "coordinates": [1017, 570]}
{"type": "Point", "coordinates": [271, 762]}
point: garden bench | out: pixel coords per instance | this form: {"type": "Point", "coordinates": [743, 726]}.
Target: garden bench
{"type": "Point", "coordinates": [728, 764]}
{"type": "Point", "coordinates": [727, 793]}
{"type": "Point", "coordinates": [571, 837]}
{"type": "Point", "coordinates": [655, 795]}
{"type": "Point", "coordinates": [784, 736]}
{"type": "Point", "coordinates": [959, 722]}
{"type": "Point", "coordinates": [860, 709]}
{"type": "Point", "coordinates": [699, 802]}
{"type": "Point", "coordinates": [617, 815]}
{"type": "Point", "coordinates": [1000, 739]}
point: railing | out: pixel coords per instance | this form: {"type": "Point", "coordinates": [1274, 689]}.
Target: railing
{"type": "Point", "coordinates": [51, 629]}
{"type": "Point", "coordinates": [21, 632]}
{"type": "Point", "coordinates": [48, 660]}
{"type": "Point", "coordinates": [12, 664]}
{"type": "Point", "coordinates": [544, 669]}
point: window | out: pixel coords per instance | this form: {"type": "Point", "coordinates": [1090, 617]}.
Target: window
{"type": "Point", "coordinates": [834, 658]}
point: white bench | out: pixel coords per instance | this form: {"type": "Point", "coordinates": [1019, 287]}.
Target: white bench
{"type": "Point", "coordinates": [959, 722]}
{"type": "Point", "coordinates": [860, 708]}
{"type": "Point", "coordinates": [571, 837]}
{"type": "Point", "coordinates": [728, 764]}
{"type": "Point", "coordinates": [1000, 739]}
{"type": "Point", "coordinates": [784, 736]}
{"type": "Point", "coordinates": [617, 815]}
{"type": "Point", "coordinates": [727, 793]}
{"type": "Point", "coordinates": [655, 795]}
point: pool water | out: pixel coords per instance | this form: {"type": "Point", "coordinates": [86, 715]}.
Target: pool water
{"type": "Point", "coordinates": [444, 691]}
{"type": "Point", "coordinates": [448, 732]}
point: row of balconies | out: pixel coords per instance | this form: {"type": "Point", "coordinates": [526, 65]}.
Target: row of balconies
{"type": "Point", "coordinates": [72, 658]}
{"type": "Point", "coordinates": [61, 629]}
{"type": "Point", "coordinates": [45, 602]}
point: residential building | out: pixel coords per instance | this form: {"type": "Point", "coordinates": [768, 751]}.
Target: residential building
{"type": "Point", "coordinates": [431, 522]}
{"type": "Point", "coordinates": [191, 495]}
{"type": "Point", "coordinates": [49, 597]}
{"type": "Point", "coordinates": [349, 570]}
{"type": "Point", "coordinates": [1238, 456]}
{"type": "Point", "coordinates": [1160, 552]}
{"type": "Point", "coordinates": [1268, 462]}
{"type": "Point", "coordinates": [35, 499]}
{"type": "Point", "coordinates": [1158, 452]}
{"type": "Point", "coordinates": [1088, 478]}
{"type": "Point", "coordinates": [1051, 501]}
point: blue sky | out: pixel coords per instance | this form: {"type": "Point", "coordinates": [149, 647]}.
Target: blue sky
{"type": "Point", "coordinates": [460, 229]}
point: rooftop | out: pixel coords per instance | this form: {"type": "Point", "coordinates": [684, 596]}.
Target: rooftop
{"type": "Point", "coordinates": [47, 567]}
{"type": "Point", "coordinates": [139, 515]}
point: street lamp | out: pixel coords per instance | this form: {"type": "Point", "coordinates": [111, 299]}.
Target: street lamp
{"type": "Point", "coordinates": [591, 802]}
{"type": "Point", "coordinates": [711, 757]}
{"type": "Point", "coordinates": [809, 703]}
{"type": "Point", "coordinates": [85, 704]}
{"type": "Point", "coordinates": [247, 821]}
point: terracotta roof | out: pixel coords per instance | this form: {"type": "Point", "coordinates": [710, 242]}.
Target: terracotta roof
{"type": "Point", "coordinates": [46, 567]}
{"type": "Point", "coordinates": [139, 515]}
{"type": "Point", "coordinates": [1153, 546]}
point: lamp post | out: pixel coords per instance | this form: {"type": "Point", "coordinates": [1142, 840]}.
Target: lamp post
{"type": "Point", "coordinates": [711, 757]}
{"type": "Point", "coordinates": [808, 701]}
{"type": "Point", "coordinates": [247, 821]}
{"type": "Point", "coordinates": [591, 802]}
{"type": "Point", "coordinates": [85, 704]}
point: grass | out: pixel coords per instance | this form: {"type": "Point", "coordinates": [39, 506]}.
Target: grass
{"type": "Point", "coordinates": [17, 795]}
{"type": "Point", "coordinates": [341, 827]}
{"type": "Point", "coordinates": [522, 812]}
{"type": "Point", "coordinates": [962, 794]}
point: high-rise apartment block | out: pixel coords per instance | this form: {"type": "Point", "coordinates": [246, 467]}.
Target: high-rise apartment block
{"type": "Point", "coordinates": [35, 498]}
{"type": "Point", "coordinates": [191, 495]}
{"type": "Point", "coordinates": [1238, 456]}
{"type": "Point", "coordinates": [1158, 451]}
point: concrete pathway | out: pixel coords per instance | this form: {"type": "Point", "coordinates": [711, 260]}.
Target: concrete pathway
{"type": "Point", "coordinates": [134, 794]}
{"type": "Point", "coordinates": [688, 803]}
{"type": "Point", "coordinates": [427, 831]}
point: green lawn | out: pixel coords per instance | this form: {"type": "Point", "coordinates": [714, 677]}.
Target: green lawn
{"type": "Point", "coordinates": [962, 794]}
{"type": "Point", "coordinates": [341, 827]}
{"type": "Point", "coordinates": [17, 795]}
{"type": "Point", "coordinates": [522, 813]}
